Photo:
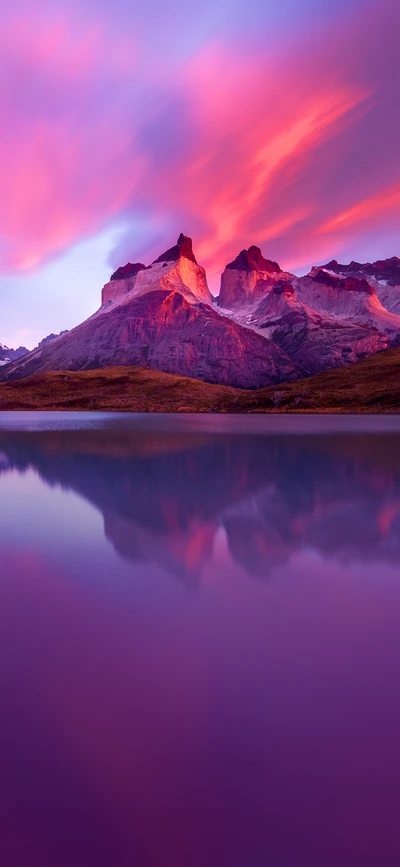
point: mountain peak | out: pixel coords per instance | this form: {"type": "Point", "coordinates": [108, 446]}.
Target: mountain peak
{"type": "Point", "coordinates": [350, 283]}
{"type": "Point", "coordinates": [253, 260]}
{"type": "Point", "coordinates": [382, 269]}
{"type": "Point", "coordinates": [183, 247]}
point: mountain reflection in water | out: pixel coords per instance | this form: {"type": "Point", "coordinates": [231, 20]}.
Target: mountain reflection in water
{"type": "Point", "coordinates": [200, 647]}
{"type": "Point", "coordinates": [163, 497]}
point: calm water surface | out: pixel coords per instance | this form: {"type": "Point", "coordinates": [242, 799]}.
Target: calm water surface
{"type": "Point", "coordinates": [200, 641]}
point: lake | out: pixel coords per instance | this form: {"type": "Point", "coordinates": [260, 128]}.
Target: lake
{"type": "Point", "coordinates": [200, 640]}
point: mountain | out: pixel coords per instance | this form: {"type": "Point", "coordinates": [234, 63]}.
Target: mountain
{"type": "Point", "coordinates": [383, 275]}
{"type": "Point", "coordinates": [350, 299]}
{"type": "Point", "coordinates": [163, 331]}
{"type": "Point", "coordinates": [267, 325]}
{"type": "Point", "coordinates": [320, 321]}
{"type": "Point", "coordinates": [162, 317]}
{"type": "Point", "coordinates": [386, 270]}
{"type": "Point", "coordinates": [7, 354]}
{"type": "Point", "coordinates": [315, 341]}
{"type": "Point", "coordinates": [49, 338]}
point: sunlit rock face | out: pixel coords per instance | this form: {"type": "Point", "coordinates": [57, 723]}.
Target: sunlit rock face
{"type": "Point", "coordinates": [176, 269]}
{"type": "Point", "coordinates": [349, 298]}
{"type": "Point", "coordinates": [383, 275]}
{"type": "Point", "coordinates": [121, 282]}
{"type": "Point", "coordinates": [247, 279]}
{"type": "Point", "coordinates": [315, 340]}
{"type": "Point", "coordinates": [182, 249]}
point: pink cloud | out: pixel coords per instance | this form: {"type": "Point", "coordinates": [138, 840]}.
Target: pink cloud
{"type": "Point", "coordinates": [274, 145]}
{"type": "Point", "coordinates": [237, 143]}
{"type": "Point", "coordinates": [65, 162]}
{"type": "Point", "coordinates": [386, 202]}
{"type": "Point", "coordinates": [263, 136]}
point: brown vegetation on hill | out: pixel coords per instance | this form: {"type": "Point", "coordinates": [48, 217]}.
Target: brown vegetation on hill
{"type": "Point", "coordinates": [115, 389]}
{"type": "Point", "coordinates": [372, 385]}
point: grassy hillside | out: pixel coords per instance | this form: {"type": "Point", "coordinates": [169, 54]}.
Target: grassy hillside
{"type": "Point", "coordinates": [372, 385]}
{"type": "Point", "coordinates": [134, 389]}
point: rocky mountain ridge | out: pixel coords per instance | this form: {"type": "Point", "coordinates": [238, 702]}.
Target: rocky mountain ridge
{"type": "Point", "coordinates": [7, 354]}
{"type": "Point", "coordinates": [266, 326]}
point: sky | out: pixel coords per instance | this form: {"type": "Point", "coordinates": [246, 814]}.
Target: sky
{"type": "Point", "coordinates": [237, 122]}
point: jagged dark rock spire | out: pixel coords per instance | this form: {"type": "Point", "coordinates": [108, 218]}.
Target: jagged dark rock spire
{"type": "Point", "coordinates": [183, 247]}
{"type": "Point", "coordinates": [253, 260]}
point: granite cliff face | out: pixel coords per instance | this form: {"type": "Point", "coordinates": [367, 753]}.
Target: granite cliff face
{"type": "Point", "coordinates": [175, 269]}
{"type": "Point", "coordinates": [247, 279]}
{"type": "Point", "coordinates": [121, 282]}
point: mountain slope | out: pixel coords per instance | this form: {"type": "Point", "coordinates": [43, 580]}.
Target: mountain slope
{"type": "Point", "coordinates": [314, 340]}
{"type": "Point", "coordinates": [372, 385]}
{"type": "Point", "coordinates": [163, 331]}
{"type": "Point", "coordinates": [350, 299]}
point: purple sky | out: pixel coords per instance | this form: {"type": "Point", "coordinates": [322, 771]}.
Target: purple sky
{"type": "Point", "coordinates": [274, 122]}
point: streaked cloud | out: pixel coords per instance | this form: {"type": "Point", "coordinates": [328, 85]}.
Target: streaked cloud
{"type": "Point", "coordinates": [237, 123]}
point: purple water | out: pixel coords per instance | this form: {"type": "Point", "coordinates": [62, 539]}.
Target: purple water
{"type": "Point", "coordinates": [200, 641]}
